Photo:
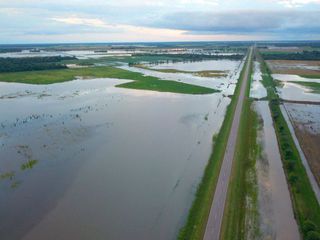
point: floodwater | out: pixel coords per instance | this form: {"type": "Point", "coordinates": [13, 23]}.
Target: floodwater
{"type": "Point", "coordinates": [305, 114]}
{"type": "Point", "coordinates": [305, 163]}
{"type": "Point", "coordinates": [276, 215]}
{"type": "Point", "coordinates": [85, 160]}
{"type": "Point", "coordinates": [257, 89]}
{"type": "Point", "coordinates": [222, 65]}
{"type": "Point", "coordinates": [292, 77]}
{"type": "Point", "coordinates": [225, 84]}
{"type": "Point", "coordinates": [296, 92]}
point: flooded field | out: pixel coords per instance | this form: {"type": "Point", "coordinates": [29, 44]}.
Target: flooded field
{"type": "Point", "coordinates": [294, 67]}
{"type": "Point", "coordinates": [305, 119]}
{"type": "Point", "coordinates": [222, 65]}
{"type": "Point", "coordinates": [225, 84]}
{"type": "Point", "coordinates": [295, 92]}
{"type": "Point", "coordinates": [86, 160]}
{"type": "Point", "coordinates": [257, 90]}
{"type": "Point", "coordinates": [275, 210]}
{"type": "Point", "coordinates": [295, 78]}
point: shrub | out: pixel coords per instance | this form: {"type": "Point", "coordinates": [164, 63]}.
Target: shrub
{"type": "Point", "coordinates": [308, 226]}
{"type": "Point", "coordinates": [313, 235]}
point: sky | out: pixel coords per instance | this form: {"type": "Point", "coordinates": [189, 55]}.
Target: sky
{"type": "Point", "coordinates": [77, 21]}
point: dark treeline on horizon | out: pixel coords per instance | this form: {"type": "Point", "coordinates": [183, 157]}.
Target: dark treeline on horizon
{"type": "Point", "coordinates": [32, 63]}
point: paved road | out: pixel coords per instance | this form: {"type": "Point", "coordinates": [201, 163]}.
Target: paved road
{"type": "Point", "coordinates": [216, 212]}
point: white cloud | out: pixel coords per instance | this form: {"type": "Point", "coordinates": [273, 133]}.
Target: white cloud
{"type": "Point", "coordinates": [91, 22]}
{"type": "Point", "coordinates": [297, 3]}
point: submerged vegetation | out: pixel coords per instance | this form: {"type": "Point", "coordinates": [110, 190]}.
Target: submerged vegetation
{"type": "Point", "coordinates": [305, 204]}
{"type": "Point", "coordinates": [139, 80]}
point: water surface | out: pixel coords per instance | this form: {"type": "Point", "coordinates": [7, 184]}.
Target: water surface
{"type": "Point", "coordinates": [85, 160]}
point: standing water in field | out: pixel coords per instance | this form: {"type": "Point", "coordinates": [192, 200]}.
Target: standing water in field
{"type": "Point", "coordinates": [85, 160]}
{"type": "Point", "coordinates": [276, 215]}
{"type": "Point", "coordinates": [257, 89]}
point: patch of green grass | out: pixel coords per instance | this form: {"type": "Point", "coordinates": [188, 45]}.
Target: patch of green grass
{"type": "Point", "coordinates": [310, 76]}
{"type": "Point", "coordinates": [305, 205]}
{"type": "Point", "coordinates": [198, 214]}
{"type": "Point", "coordinates": [140, 81]}
{"type": "Point", "coordinates": [167, 86]}
{"type": "Point", "coordinates": [314, 87]}
{"type": "Point", "coordinates": [29, 164]}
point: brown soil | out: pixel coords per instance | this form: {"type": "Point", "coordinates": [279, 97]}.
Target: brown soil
{"type": "Point", "coordinates": [310, 146]}
{"type": "Point", "coordinates": [287, 50]}
{"type": "Point", "coordinates": [287, 67]}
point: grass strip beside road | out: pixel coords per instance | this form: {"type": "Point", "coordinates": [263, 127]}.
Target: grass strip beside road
{"type": "Point", "coordinates": [139, 80]}
{"type": "Point", "coordinates": [305, 204]}
{"type": "Point", "coordinates": [198, 214]}
{"type": "Point", "coordinates": [240, 214]}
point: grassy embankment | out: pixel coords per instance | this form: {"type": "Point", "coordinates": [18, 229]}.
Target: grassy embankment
{"type": "Point", "coordinates": [306, 207]}
{"type": "Point", "coordinates": [241, 213]}
{"type": "Point", "coordinates": [198, 214]}
{"type": "Point", "coordinates": [205, 73]}
{"type": "Point", "coordinates": [314, 87]}
{"type": "Point", "coordinates": [140, 81]}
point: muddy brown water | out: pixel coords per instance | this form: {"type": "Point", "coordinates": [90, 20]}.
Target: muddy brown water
{"type": "Point", "coordinates": [275, 208]}
{"type": "Point", "coordinates": [86, 160]}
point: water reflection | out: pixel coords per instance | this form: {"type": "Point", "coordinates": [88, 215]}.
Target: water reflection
{"type": "Point", "coordinates": [113, 163]}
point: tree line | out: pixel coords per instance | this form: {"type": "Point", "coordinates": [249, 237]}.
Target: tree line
{"type": "Point", "coordinates": [305, 55]}
{"type": "Point", "coordinates": [32, 63]}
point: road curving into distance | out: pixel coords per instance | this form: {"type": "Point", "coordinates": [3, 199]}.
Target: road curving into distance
{"type": "Point", "coordinates": [215, 218]}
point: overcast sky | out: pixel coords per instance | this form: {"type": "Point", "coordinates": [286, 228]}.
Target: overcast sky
{"type": "Point", "coordinates": [46, 21]}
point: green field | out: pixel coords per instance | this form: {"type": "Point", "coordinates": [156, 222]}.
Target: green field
{"type": "Point", "coordinates": [198, 214]}
{"type": "Point", "coordinates": [305, 204]}
{"type": "Point", "coordinates": [139, 81]}
{"type": "Point", "coordinates": [242, 199]}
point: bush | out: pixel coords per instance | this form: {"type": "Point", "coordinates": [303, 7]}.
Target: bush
{"type": "Point", "coordinates": [313, 235]}
{"type": "Point", "coordinates": [290, 165]}
{"type": "Point", "coordinates": [308, 226]}
{"type": "Point", "coordinates": [288, 154]}
{"type": "Point", "coordinates": [293, 178]}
